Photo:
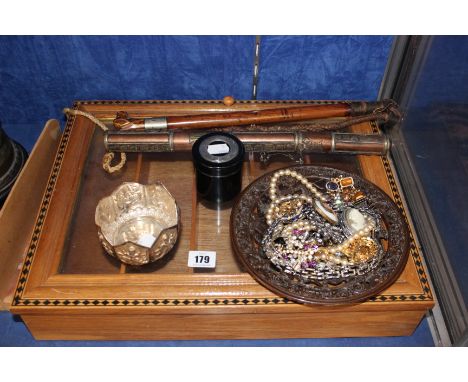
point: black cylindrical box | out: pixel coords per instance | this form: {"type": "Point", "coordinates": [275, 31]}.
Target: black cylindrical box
{"type": "Point", "coordinates": [218, 162]}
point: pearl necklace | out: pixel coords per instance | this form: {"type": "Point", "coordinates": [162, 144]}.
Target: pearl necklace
{"type": "Point", "coordinates": [319, 253]}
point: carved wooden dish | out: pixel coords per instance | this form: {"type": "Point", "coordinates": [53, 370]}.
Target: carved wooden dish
{"type": "Point", "coordinates": [248, 226]}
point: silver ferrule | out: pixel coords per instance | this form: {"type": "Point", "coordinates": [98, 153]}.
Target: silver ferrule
{"type": "Point", "coordinates": [156, 123]}
{"type": "Point", "coordinates": [388, 145]}
{"type": "Point", "coordinates": [106, 143]}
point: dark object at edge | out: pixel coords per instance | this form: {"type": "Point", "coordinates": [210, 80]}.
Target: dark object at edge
{"type": "Point", "coordinates": [12, 159]}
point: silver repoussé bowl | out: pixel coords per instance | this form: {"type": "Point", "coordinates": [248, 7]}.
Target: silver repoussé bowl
{"type": "Point", "coordinates": [138, 223]}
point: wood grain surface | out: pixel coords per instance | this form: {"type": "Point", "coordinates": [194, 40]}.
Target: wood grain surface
{"type": "Point", "coordinates": [221, 326]}
{"type": "Point", "coordinates": [74, 290]}
{"type": "Point", "coordinates": [16, 224]}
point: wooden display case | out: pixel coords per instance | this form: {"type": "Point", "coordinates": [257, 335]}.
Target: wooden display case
{"type": "Point", "coordinates": [69, 288]}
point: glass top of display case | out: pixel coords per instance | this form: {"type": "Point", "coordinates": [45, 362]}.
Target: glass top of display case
{"type": "Point", "coordinates": [66, 263]}
{"type": "Point", "coordinates": [202, 227]}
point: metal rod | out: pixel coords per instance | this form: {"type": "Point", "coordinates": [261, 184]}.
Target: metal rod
{"type": "Point", "coordinates": [295, 141]}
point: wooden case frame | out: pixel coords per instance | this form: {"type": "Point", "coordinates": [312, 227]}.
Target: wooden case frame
{"type": "Point", "coordinates": [188, 306]}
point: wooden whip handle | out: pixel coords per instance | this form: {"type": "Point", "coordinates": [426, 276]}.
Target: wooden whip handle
{"type": "Point", "coordinates": [238, 118]}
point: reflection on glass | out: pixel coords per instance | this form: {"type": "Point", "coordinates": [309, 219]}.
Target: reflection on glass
{"type": "Point", "coordinates": [436, 132]}
{"type": "Point", "coordinates": [202, 227]}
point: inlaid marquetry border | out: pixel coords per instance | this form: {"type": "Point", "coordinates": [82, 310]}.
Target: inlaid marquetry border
{"type": "Point", "coordinates": [18, 299]}
{"type": "Point", "coordinates": [23, 276]}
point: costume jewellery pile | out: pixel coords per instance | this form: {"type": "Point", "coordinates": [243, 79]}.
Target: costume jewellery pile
{"type": "Point", "coordinates": [322, 235]}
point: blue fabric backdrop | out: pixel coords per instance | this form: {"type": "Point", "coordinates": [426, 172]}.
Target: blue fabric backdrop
{"type": "Point", "coordinates": [40, 75]}
{"type": "Point", "coordinates": [322, 67]}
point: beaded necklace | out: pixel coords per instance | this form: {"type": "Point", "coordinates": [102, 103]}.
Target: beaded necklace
{"type": "Point", "coordinates": [294, 219]}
